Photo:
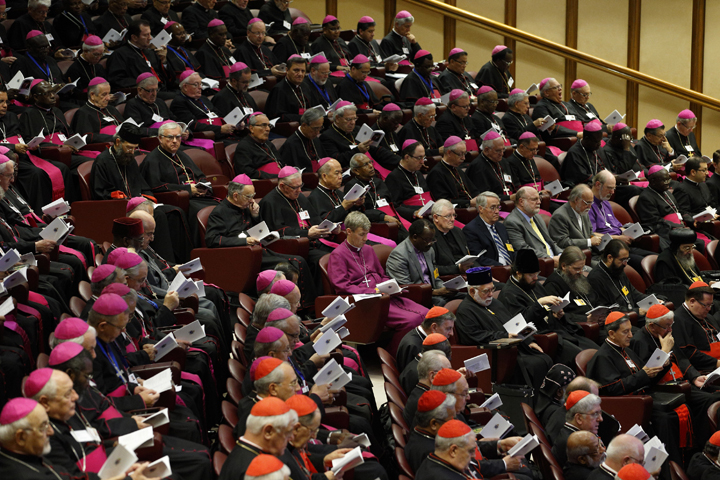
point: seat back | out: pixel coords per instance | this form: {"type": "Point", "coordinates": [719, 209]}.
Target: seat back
{"type": "Point", "coordinates": [237, 370]}
{"type": "Point", "coordinates": [529, 416]}
{"type": "Point", "coordinates": [84, 170]}
{"type": "Point", "coordinates": [635, 278]}
{"type": "Point", "coordinates": [382, 252]}
{"type": "Point", "coordinates": [205, 162]}
{"type": "Point", "coordinates": [234, 389]}
{"type": "Point", "coordinates": [403, 463]}
{"type": "Point", "coordinates": [453, 305]}
{"type": "Point", "coordinates": [397, 417]}
{"type": "Point", "coordinates": [76, 306]}
{"type": "Point", "coordinates": [546, 170]}
{"type": "Point", "coordinates": [94, 218]}
{"type": "Point", "coordinates": [712, 416]}
{"type": "Point", "coordinates": [557, 473]}
{"type": "Point", "coordinates": [582, 359]}
{"type": "Point", "coordinates": [538, 431]}
{"type": "Point", "coordinates": [391, 377]}
{"type": "Point", "coordinates": [328, 288]}
{"type": "Point", "coordinates": [399, 436]}
{"type": "Point", "coordinates": [711, 249]}
{"type": "Point", "coordinates": [85, 290]}
{"type": "Point", "coordinates": [620, 213]}
{"type": "Point", "coordinates": [387, 359]}
{"type": "Point", "coordinates": [226, 438]}
{"type": "Point", "coordinates": [69, 115]}
{"type": "Point", "coordinates": [202, 218]}
{"type": "Point", "coordinates": [648, 269]}
{"type": "Point", "coordinates": [260, 98]}
{"type": "Point", "coordinates": [394, 395]}
{"type": "Point", "coordinates": [632, 203]}
{"type": "Point", "coordinates": [677, 472]}
{"type": "Point", "coordinates": [243, 317]}
{"type": "Point", "coordinates": [701, 261]}
{"type": "Point", "coordinates": [219, 459]}
{"type": "Point", "coordinates": [229, 412]}
{"type": "Point", "coordinates": [246, 302]}
{"type": "Point", "coordinates": [240, 332]}
{"type": "Point", "coordinates": [216, 261]}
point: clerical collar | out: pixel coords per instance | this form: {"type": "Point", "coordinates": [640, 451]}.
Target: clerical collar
{"type": "Point", "coordinates": [423, 433]}
{"type": "Point", "coordinates": [245, 440]}
{"type": "Point", "coordinates": [572, 427]}
{"type": "Point", "coordinates": [609, 470]}
{"type": "Point", "coordinates": [135, 46]}
{"type": "Point", "coordinates": [613, 344]}
{"type": "Point", "coordinates": [324, 187]}
{"type": "Point", "coordinates": [691, 181]}
{"type": "Point", "coordinates": [353, 247]}
{"type": "Point", "coordinates": [421, 331]}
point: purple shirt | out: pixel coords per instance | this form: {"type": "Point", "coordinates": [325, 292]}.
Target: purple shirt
{"type": "Point", "coordinates": [423, 266]}
{"type": "Point", "coordinates": [602, 219]}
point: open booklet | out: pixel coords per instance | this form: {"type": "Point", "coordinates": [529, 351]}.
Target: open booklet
{"type": "Point", "coordinates": [518, 326]}
{"type": "Point", "coordinates": [470, 258]}
{"type": "Point", "coordinates": [356, 192]}
{"type": "Point", "coordinates": [263, 233]}
{"type": "Point", "coordinates": [367, 133]}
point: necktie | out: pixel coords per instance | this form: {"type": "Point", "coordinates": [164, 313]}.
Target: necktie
{"type": "Point", "coordinates": [540, 236]}
{"type": "Point", "coordinates": [503, 254]}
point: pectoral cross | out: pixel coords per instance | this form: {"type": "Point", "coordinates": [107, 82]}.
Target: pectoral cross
{"type": "Point", "coordinates": [366, 281]}
{"type": "Point", "coordinates": [506, 190]}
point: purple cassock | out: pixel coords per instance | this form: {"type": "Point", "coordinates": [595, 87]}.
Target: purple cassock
{"type": "Point", "coordinates": [352, 270]}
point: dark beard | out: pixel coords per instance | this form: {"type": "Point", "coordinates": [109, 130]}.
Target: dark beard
{"type": "Point", "coordinates": [525, 286]}
{"type": "Point", "coordinates": [122, 158]}
{"type": "Point", "coordinates": [580, 286]}
{"type": "Point", "coordinates": [615, 272]}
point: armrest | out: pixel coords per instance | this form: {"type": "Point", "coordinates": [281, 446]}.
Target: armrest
{"type": "Point", "coordinates": [548, 342]}
{"type": "Point", "coordinates": [633, 316]}
{"type": "Point", "coordinates": [563, 143]}
{"type": "Point", "coordinates": [179, 198]}
{"type": "Point", "coordinates": [501, 273]}
{"type": "Point", "coordinates": [291, 246]}
{"type": "Point", "coordinates": [682, 387]}
{"type": "Point", "coordinates": [385, 230]}
{"type": "Point", "coordinates": [191, 302]}
{"type": "Point", "coordinates": [184, 316]}
{"type": "Point", "coordinates": [420, 293]}
{"type": "Point", "coordinates": [199, 275]}
{"type": "Point", "coordinates": [58, 154]}
{"type": "Point", "coordinates": [43, 263]}
{"type": "Point", "coordinates": [591, 330]}
{"type": "Point", "coordinates": [96, 147]}
{"type": "Point", "coordinates": [149, 454]}
{"type": "Point", "coordinates": [146, 412]}
{"type": "Point", "coordinates": [21, 292]}
{"type": "Point", "coordinates": [285, 129]}
{"type": "Point", "coordinates": [337, 417]}
{"type": "Point", "coordinates": [648, 242]}
{"type": "Point", "coordinates": [167, 399]}
{"type": "Point", "coordinates": [366, 321]}
{"type": "Point", "coordinates": [481, 416]}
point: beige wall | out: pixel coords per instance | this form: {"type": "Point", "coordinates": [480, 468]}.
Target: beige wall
{"type": "Point", "coordinates": [665, 46]}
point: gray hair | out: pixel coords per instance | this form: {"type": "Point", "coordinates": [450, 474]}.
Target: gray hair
{"type": "Point", "coordinates": [90, 48]}
{"type": "Point", "coordinates": [340, 112]}
{"type": "Point", "coordinates": [281, 474]}
{"type": "Point", "coordinates": [147, 81]}
{"type": "Point", "coordinates": [481, 200]}
{"type": "Point", "coordinates": [355, 220]}
{"type": "Point", "coordinates": [184, 81]}
{"type": "Point", "coordinates": [488, 144]}
{"type": "Point", "coordinates": [254, 118]}
{"type": "Point", "coordinates": [685, 121]}
{"type": "Point", "coordinates": [670, 315]}
{"type": "Point", "coordinates": [577, 192]}
{"type": "Point", "coordinates": [316, 66]}
{"type": "Point", "coordinates": [355, 160]}
{"type": "Point", "coordinates": [423, 109]}
{"type": "Point", "coordinates": [546, 87]}
{"type": "Point", "coordinates": [234, 187]}
{"type": "Point", "coordinates": [54, 341]}
{"type": "Point", "coordinates": [584, 405]}
{"type": "Point", "coordinates": [7, 432]}
{"type": "Point", "coordinates": [93, 89]}
{"type": "Point", "coordinates": [441, 205]}
{"type": "Point", "coordinates": [570, 255]}
{"type": "Point", "coordinates": [403, 21]}
{"type": "Point", "coordinates": [265, 305]}
{"type": "Point", "coordinates": [290, 178]}
{"type": "Point", "coordinates": [133, 271]}
{"type": "Point", "coordinates": [454, 148]}
{"type": "Point", "coordinates": [454, 102]}
{"type": "Point", "coordinates": [602, 176]}
{"type": "Point", "coordinates": [443, 444]}
{"type": "Point", "coordinates": [522, 193]}
{"type": "Point", "coordinates": [432, 361]}
{"type": "Point", "coordinates": [97, 287]}
{"type": "Point", "coordinates": [439, 413]}
{"type": "Point", "coordinates": [262, 385]}
{"type": "Point", "coordinates": [255, 424]}
{"type": "Point", "coordinates": [167, 126]}
{"type": "Point", "coordinates": [311, 115]}
{"type": "Point", "coordinates": [262, 349]}
{"type": "Point", "coordinates": [518, 97]}
{"type": "Point", "coordinates": [32, 4]}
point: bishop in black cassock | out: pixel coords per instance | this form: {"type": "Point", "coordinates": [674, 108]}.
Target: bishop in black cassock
{"type": "Point", "coordinates": [22, 25]}
{"type": "Point", "coordinates": [287, 100]}
{"type": "Point", "coordinates": [318, 89]}
{"type": "Point", "coordinates": [447, 180]}
{"type": "Point", "coordinates": [295, 42]}
{"type": "Point", "coordinates": [195, 19]}
{"type": "Point", "coordinates": [455, 76]}
{"type": "Point", "coordinates": [684, 144]}
{"type": "Point", "coordinates": [653, 150]}
{"type": "Point", "coordinates": [491, 176]}
{"type": "Point", "coordinates": [84, 68]}
{"type": "Point", "coordinates": [405, 186]}
{"type": "Point", "coordinates": [582, 161]}
{"type": "Point", "coordinates": [360, 46]}
{"type": "Point", "coordinates": [178, 57]}
{"type": "Point", "coordinates": [303, 148]}
{"type": "Point", "coordinates": [215, 59]}
{"type": "Point", "coordinates": [198, 110]}
{"type": "Point", "coordinates": [235, 18]}
{"type": "Point", "coordinates": [146, 109]}
{"type": "Point", "coordinates": [256, 56]}
{"type": "Point", "coordinates": [341, 145]}
{"type": "Point", "coordinates": [420, 83]}
{"type": "Point", "coordinates": [395, 43]}
{"type": "Point", "coordinates": [332, 46]}
{"type": "Point", "coordinates": [658, 209]}
{"type": "Point", "coordinates": [114, 18]}
{"type": "Point", "coordinates": [255, 156]}
{"type": "Point", "coordinates": [281, 19]}
{"type": "Point", "coordinates": [235, 93]}
{"type": "Point", "coordinates": [159, 18]}
{"type": "Point", "coordinates": [73, 26]}
{"type": "Point", "coordinates": [353, 87]}
{"type": "Point", "coordinates": [130, 60]}
{"type": "Point", "coordinates": [456, 121]}
{"type": "Point", "coordinates": [496, 73]}
{"type": "Point", "coordinates": [95, 116]}
{"type": "Point", "coordinates": [420, 129]}
{"type": "Point", "coordinates": [327, 199]}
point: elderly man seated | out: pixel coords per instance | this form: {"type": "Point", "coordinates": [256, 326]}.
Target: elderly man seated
{"type": "Point", "coordinates": [303, 149]}
{"type": "Point", "coordinates": [678, 261]}
{"type": "Point", "coordinates": [421, 130]}
{"type": "Point", "coordinates": [484, 118]}
{"type": "Point", "coordinates": [420, 83]}
{"type": "Point", "coordinates": [455, 77]}
{"type": "Point", "coordinates": [86, 65]}
{"type": "Point", "coordinates": [287, 101]}
{"type": "Point", "coordinates": [255, 155]}
{"type": "Point", "coordinates": [496, 72]}
{"type": "Point", "coordinates": [580, 106]}
{"type": "Point", "coordinates": [296, 42]}
{"type": "Point", "coordinates": [159, 15]}
{"type": "Point", "coordinates": [235, 93]}
{"type": "Point", "coordinates": [570, 224]}
{"type": "Point", "coordinates": [331, 46]}
{"type": "Point", "coordinates": [327, 197]}
{"type": "Point", "coordinates": [696, 330]}
{"type": "Point", "coordinates": [706, 460]}
{"type": "Point", "coordinates": [253, 53]}
{"type": "Point", "coordinates": [523, 168]}
{"type": "Point", "coordinates": [527, 229]}
{"type": "Point", "coordinates": [582, 161]}
{"type": "Point", "coordinates": [487, 234]}
{"type": "Point", "coordinates": [179, 58]}
{"type": "Point", "coordinates": [516, 120]}
{"type": "Point", "coordinates": [447, 180]}
{"type": "Point", "coordinates": [97, 117]}
{"type": "Point", "coordinates": [458, 121]}
{"type": "Point", "coordinates": [316, 86]}
{"type": "Point", "coordinates": [37, 62]}
{"type": "Point", "coordinates": [582, 413]}
{"type": "Point", "coordinates": [115, 17]}
{"type": "Point", "coordinates": [622, 451]}
{"type": "Point", "coordinates": [354, 88]}
{"type": "Point", "coordinates": [399, 41]}
{"type": "Point", "coordinates": [145, 108]}
{"type": "Point", "coordinates": [197, 16]}
{"type": "Point", "coordinates": [681, 137]}
{"type": "Point", "coordinates": [653, 148]}
{"type": "Point", "coordinates": [585, 453]}
{"type": "Point", "coordinates": [34, 19]}
{"type": "Point", "coordinates": [490, 171]}
{"type": "Point", "coordinates": [407, 185]}
{"type": "Point", "coordinates": [434, 408]}
{"type": "Point", "coordinates": [190, 105]}
{"type": "Point", "coordinates": [567, 125]}
{"type": "Point", "coordinates": [450, 242]}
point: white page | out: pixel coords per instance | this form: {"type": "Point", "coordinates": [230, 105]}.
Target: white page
{"type": "Point", "coordinates": [16, 81]}
{"type": "Point", "coordinates": [137, 439]}
{"type": "Point", "coordinates": [523, 447]}
{"type": "Point", "coordinates": [328, 373]}
{"type": "Point", "coordinates": [390, 287]}
{"type": "Point", "coordinates": [10, 258]}
{"type": "Point", "coordinates": [638, 432]}
{"type": "Point", "coordinates": [160, 382]}
{"type": "Point", "coordinates": [16, 278]}
{"type": "Point", "coordinates": [604, 240]}
{"type": "Point", "coordinates": [334, 324]}
{"type": "Point", "coordinates": [177, 282]}
{"type": "Point", "coordinates": [365, 296]}
{"type": "Point", "coordinates": [516, 324]}
{"type": "Point", "coordinates": [531, 88]}
{"type": "Point", "coordinates": [614, 118]}
{"type": "Point", "coordinates": [364, 134]}
{"type": "Point", "coordinates": [77, 141]}
{"type": "Point", "coordinates": [343, 379]}
{"type": "Point", "coordinates": [634, 231]}
{"type": "Point", "coordinates": [648, 302]}
{"type": "Point", "coordinates": [497, 427]}
{"type": "Point", "coordinates": [158, 419]}
{"type": "Point", "coordinates": [328, 225]}
{"type": "Point", "coordinates": [493, 402]}
{"type": "Point", "coordinates": [356, 192]}
{"type": "Point", "coordinates": [657, 359]}
{"type": "Point", "coordinates": [192, 266]}
{"type": "Point", "coordinates": [68, 86]}
{"type": "Point", "coordinates": [455, 283]}
{"type": "Point", "coordinates": [362, 439]}
{"type": "Point", "coordinates": [210, 83]}
{"type": "Point", "coordinates": [470, 258]}
{"type": "Point", "coordinates": [160, 468]}
{"type": "Point", "coordinates": [549, 122]}
{"type": "Point", "coordinates": [555, 187]}
{"type": "Point", "coordinates": [704, 216]}
{"type": "Point", "coordinates": [37, 140]}
{"type": "Point", "coordinates": [327, 342]}
{"type": "Point", "coordinates": [190, 333]}
{"type": "Point", "coordinates": [55, 231]}
{"type": "Point", "coordinates": [117, 463]}
{"type": "Point", "coordinates": [7, 306]}
{"type": "Point", "coordinates": [234, 117]}
{"type": "Point", "coordinates": [347, 462]}
{"type": "Point", "coordinates": [426, 209]}
{"type": "Point", "coordinates": [565, 302]}
{"type": "Point", "coordinates": [477, 364]}
{"type": "Point", "coordinates": [337, 307]}
{"type": "Point", "coordinates": [654, 458]}
{"type": "Point", "coordinates": [256, 81]}
{"type": "Point", "coordinates": [164, 346]}
{"type": "Point", "coordinates": [629, 176]}
{"type": "Point", "coordinates": [111, 36]}
{"type": "Point", "coordinates": [161, 39]}
{"type": "Point", "coordinates": [259, 231]}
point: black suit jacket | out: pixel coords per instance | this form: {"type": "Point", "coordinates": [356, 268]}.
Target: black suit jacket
{"type": "Point", "coordinates": [444, 258]}
{"type": "Point", "coordinates": [479, 238]}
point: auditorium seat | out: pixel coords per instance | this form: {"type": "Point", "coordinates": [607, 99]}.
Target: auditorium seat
{"type": "Point", "coordinates": [246, 303]}
{"type": "Point", "coordinates": [529, 416]}
{"type": "Point", "coordinates": [94, 218]}
{"type": "Point", "coordinates": [635, 279]}
{"type": "Point", "coordinates": [219, 459]}
{"type": "Point", "coordinates": [260, 97]}
{"type": "Point", "coordinates": [69, 115]}
{"type": "Point", "coordinates": [234, 390]}
{"type": "Point", "coordinates": [393, 378]}
{"type": "Point", "coordinates": [394, 394]}
{"type": "Point", "coordinates": [648, 269]}
{"type": "Point", "coordinates": [632, 204]}
{"type": "Point", "coordinates": [226, 438]}
{"type": "Point", "coordinates": [712, 413]}
{"type": "Point", "coordinates": [397, 417]}
{"type": "Point", "coordinates": [419, 293]}
{"type": "Point", "coordinates": [229, 413]}
{"type": "Point", "coordinates": [646, 242]}
{"type": "Point", "coordinates": [701, 262]}
{"type": "Point", "coordinates": [216, 260]}
{"type": "Point", "coordinates": [387, 359]}
{"type": "Point", "coordinates": [83, 171]}
{"type": "Point", "coordinates": [582, 359]}
{"type": "Point", "coordinates": [399, 436]}
{"type": "Point", "coordinates": [677, 472]}
{"type": "Point", "coordinates": [711, 250]}
{"type": "Point", "coordinates": [403, 463]}
{"type": "Point", "coordinates": [243, 317]}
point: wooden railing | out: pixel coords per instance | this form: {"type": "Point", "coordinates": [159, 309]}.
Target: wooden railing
{"type": "Point", "coordinates": [568, 53]}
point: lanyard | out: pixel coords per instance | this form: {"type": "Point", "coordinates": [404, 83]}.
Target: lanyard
{"type": "Point", "coordinates": [363, 90]}
{"type": "Point", "coordinates": [182, 57]}
{"type": "Point", "coordinates": [45, 70]}
{"type": "Point", "coordinates": [323, 92]}
{"type": "Point", "coordinates": [428, 85]}
{"type": "Point", "coordinates": [118, 372]}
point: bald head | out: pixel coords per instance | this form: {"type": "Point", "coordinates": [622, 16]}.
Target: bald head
{"type": "Point", "coordinates": [582, 383]}
{"type": "Point", "coordinates": [148, 226]}
{"type": "Point", "coordinates": [623, 450]}
{"type": "Point", "coordinates": [582, 446]}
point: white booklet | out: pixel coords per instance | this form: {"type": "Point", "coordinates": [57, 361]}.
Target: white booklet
{"type": "Point", "coordinates": [328, 373]}
{"type": "Point", "coordinates": [158, 419]}
{"type": "Point", "coordinates": [343, 379]}
{"type": "Point", "coordinates": [339, 306]}
{"type": "Point", "coordinates": [493, 402]}
{"type": "Point", "coordinates": [549, 122]}
{"type": "Point", "coordinates": [565, 302]}
{"type": "Point", "coordinates": [470, 258]}
{"type": "Point", "coordinates": [455, 283]}
{"type": "Point", "coordinates": [138, 439]}
{"type": "Point", "coordinates": [192, 332]}
{"type": "Point", "coordinates": [655, 454]}
{"type": "Point", "coordinates": [356, 192]}
{"type": "Point", "coordinates": [390, 287]}
{"type": "Point", "coordinates": [523, 447]}
{"type": "Point", "coordinates": [55, 231]}
{"type": "Point", "coordinates": [255, 80]}
{"type": "Point", "coordinates": [114, 36]}
{"type": "Point", "coordinates": [7, 306]}
{"type": "Point", "coordinates": [614, 118]}
{"type": "Point", "coordinates": [350, 460]}
{"type": "Point", "coordinates": [161, 382]}
{"type": "Point", "coordinates": [58, 207]}
{"type": "Point", "coordinates": [77, 141]}
{"type": "Point", "coordinates": [10, 258]}
{"type": "Point", "coordinates": [531, 88]}
{"type": "Point", "coordinates": [477, 364]}
{"type": "Point", "coordinates": [497, 427]}
{"type": "Point", "coordinates": [638, 432]}
{"type": "Point", "coordinates": [235, 116]}
{"type": "Point", "coordinates": [394, 59]}
{"type": "Point", "coordinates": [628, 176]}
{"type": "Point", "coordinates": [16, 81]}
{"type": "Point", "coordinates": [15, 279]}
{"type": "Point", "coordinates": [680, 160]}
{"type": "Point", "coordinates": [329, 225]}
{"type": "Point", "coordinates": [183, 286]}
{"type": "Point", "coordinates": [704, 216]}
{"type": "Point", "coordinates": [555, 188]}
{"type": "Point", "coordinates": [362, 439]}
{"type": "Point", "coordinates": [712, 377]}
{"type": "Point", "coordinates": [260, 231]}
{"type": "Point", "coordinates": [160, 468]}
{"type": "Point", "coordinates": [657, 359]}
{"type": "Point", "coordinates": [119, 461]}
{"type": "Point", "coordinates": [164, 346]}
{"type": "Point", "coordinates": [634, 231]}
{"type": "Point", "coordinates": [648, 302]}
{"type": "Point", "coordinates": [192, 266]}
{"type": "Point", "coordinates": [602, 311]}
{"type": "Point", "coordinates": [210, 83]}
{"type": "Point", "coordinates": [604, 240]}
{"type": "Point", "coordinates": [520, 327]}
{"type": "Point", "coordinates": [37, 140]}
{"type": "Point", "coordinates": [335, 324]}
{"type": "Point", "coordinates": [68, 87]}
{"type": "Point", "coordinates": [367, 133]}
{"type": "Point", "coordinates": [426, 209]}
{"type": "Point", "coordinates": [327, 342]}
{"type": "Point", "coordinates": [161, 39]}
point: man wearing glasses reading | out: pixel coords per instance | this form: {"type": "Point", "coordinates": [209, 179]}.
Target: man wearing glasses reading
{"type": "Point", "coordinates": [255, 155]}
{"type": "Point", "coordinates": [551, 104]}
{"type": "Point", "coordinates": [653, 148]}
{"type": "Point", "coordinates": [580, 106]}
{"type": "Point", "coordinates": [447, 180]}
{"type": "Point", "coordinates": [681, 136]}
{"type": "Point", "coordinates": [254, 54]}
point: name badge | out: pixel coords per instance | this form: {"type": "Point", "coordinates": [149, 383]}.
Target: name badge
{"type": "Point", "coordinates": [212, 115]}
{"type": "Point", "coordinates": [85, 436]}
{"type": "Point", "coordinates": [511, 82]}
{"type": "Point", "coordinates": [49, 37]}
{"type": "Point", "coordinates": [718, 336]}
{"type": "Point", "coordinates": [496, 127]}
{"type": "Point", "coordinates": [474, 85]}
{"type": "Point", "coordinates": [242, 235]}
{"type": "Point", "coordinates": [232, 60]}
{"type": "Point", "coordinates": [689, 148]}
{"type": "Point", "coordinates": [436, 274]}
{"type": "Point", "coordinates": [569, 118]}
{"type": "Point", "coordinates": [509, 247]}
{"type": "Point", "coordinates": [109, 119]}
{"type": "Point", "coordinates": [382, 202]}
{"type": "Point", "coordinates": [62, 137]}
{"type": "Point", "coordinates": [393, 147]}
{"type": "Point", "coordinates": [1, 41]}
{"type": "Point", "coordinates": [248, 111]}
{"type": "Point", "coordinates": [286, 24]}
{"type": "Point", "coordinates": [679, 216]}
{"type": "Point", "coordinates": [625, 291]}
{"type": "Point", "coordinates": [305, 55]}
{"type": "Point", "coordinates": [132, 378]}
{"type": "Point", "coordinates": [148, 63]}
{"type": "Point", "coordinates": [305, 389]}
{"type": "Point", "coordinates": [579, 302]}
{"type": "Point", "coordinates": [378, 58]}
{"type": "Point", "coordinates": [419, 190]}
{"type": "Point", "coordinates": [304, 215]}
{"type": "Point", "coordinates": [591, 115]}
{"type": "Point", "coordinates": [697, 279]}
{"type": "Point", "coordinates": [436, 100]}
{"type": "Point", "coordinates": [630, 363]}
{"type": "Point", "coordinates": [406, 51]}
{"type": "Point", "coordinates": [163, 20]}
{"type": "Point", "coordinates": [507, 177]}
{"type": "Point", "coordinates": [157, 118]}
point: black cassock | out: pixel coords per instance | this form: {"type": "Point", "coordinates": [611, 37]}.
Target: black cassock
{"type": "Point", "coordinates": [608, 289]}
{"type": "Point", "coordinates": [428, 137]}
{"type": "Point", "coordinates": [644, 344]}
{"type": "Point", "coordinates": [195, 19]}
{"type": "Point", "coordinates": [282, 215]}
{"type": "Point", "coordinates": [72, 29]}
{"type": "Point", "coordinates": [484, 122]}
{"type": "Point", "coordinates": [449, 248]}
{"type": "Point", "coordinates": [127, 63]}
{"type": "Point", "coordinates": [696, 338]}
{"type": "Point", "coordinates": [36, 119]}
{"type": "Point", "coordinates": [91, 119]}
{"type": "Point", "coordinates": [259, 59]}
{"type": "Point", "coordinates": [619, 160]}
{"type": "Point", "coordinates": [358, 93]}
{"type": "Point", "coordinates": [559, 112]}
{"type": "Point", "coordinates": [228, 98]}
{"type": "Point", "coordinates": [579, 306]}
{"type": "Point", "coordinates": [238, 461]}
{"type": "Point", "coordinates": [100, 411]}
{"type": "Point", "coordinates": [585, 113]}
{"type": "Point", "coordinates": [409, 347]}
{"type": "Point", "coordinates": [186, 109]}
{"type": "Point", "coordinates": [652, 208]}
{"type": "Point", "coordinates": [301, 152]}
{"type": "Point", "coordinates": [580, 165]}
{"type": "Point", "coordinates": [250, 156]}
{"type": "Point", "coordinates": [489, 176]}
{"type": "Point", "coordinates": [524, 172]}
{"type": "Point", "coordinates": [476, 325]}
{"type": "Point", "coordinates": [450, 124]}
{"type": "Point", "coordinates": [337, 51]}
{"type": "Point", "coordinates": [316, 94]}
{"type": "Point", "coordinates": [516, 124]}
{"type": "Point", "coordinates": [212, 59]}
{"type": "Point", "coordinates": [451, 183]}
{"type": "Point", "coordinates": [286, 46]}
{"type": "Point", "coordinates": [450, 80]}
{"type": "Point", "coordinates": [395, 44]}
{"type": "Point", "coordinates": [286, 101]}
{"type": "Point", "coordinates": [178, 60]}
{"type": "Point", "coordinates": [21, 27]}
{"type": "Point", "coordinates": [227, 222]}
{"type": "Point", "coordinates": [649, 154]}
{"type": "Point", "coordinates": [378, 192]}
{"type": "Point", "coordinates": [667, 267]}
{"type": "Point", "coordinates": [491, 76]}
{"type": "Point", "coordinates": [337, 145]}
{"type": "Point", "coordinates": [692, 197]}
{"type": "Point", "coordinates": [147, 114]}
{"type": "Point", "coordinates": [40, 69]}
{"type": "Point", "coordinates": [415, 86]}
{"type": "Point", "coordinates": [620, 372]}
{"type": "Point", "coordinates": [32, 467]}
{"type": "Point", "coordinates": [518, 300]}
{"type": "Point", "coordinates": [165, 172]}
{"type": "Point", "coordinates": [158, 20]}
{"type": "Point", "coordinates": [680, 143]}
{"type": "Point", "coordinates": [81, 69]}
{"type": "Point", "coordinates": [390, 142]}
{"type": "Point", "coordinates": [108, 20]}
{"type": "Point", "coordinates": [281, 21]}
{"type": "Point", "coordinates": [402, 184]}
{"type": "Point", "coordinates": [235, 18]}
{"type": "Point", "coordinates": [358, 46]}
{"type": "Point", "coordinates": [328, 204]}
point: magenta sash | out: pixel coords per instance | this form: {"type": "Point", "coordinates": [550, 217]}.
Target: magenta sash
{"type": "Point", "coordinates": [383, 240]}
{"type": "Point", "coordinates": [328, 243]}
{"type": "Point", "coordinates": [15, 139]}
{"type": "Point", "coordinates": [95, 460]}
{"type": "Point", "coordinates": [302, 223]}
{"type": "Point", "coordinates": [640, 184]}
{"type": "Point", "coordinates": [159, 124]}
{"type": "Point", "coordinates": [672, 217]}
{"type": "Point", "coordinates": [472, 145]}
{"type": "Point", "coordinates": [338, 74]}
{"type": "Point", "coordinates": [37, 298]}
{"type": "Point", "coordinates": [110, 413]}
{"type": "Point", "coordinates": [54, 138]}
{"type": "Point", "coordinates": [121, 391]}
{"type": "Point", "coordinates": [350, 363]}
{"type": "Point", "coordinates": [404, 62]}
{"type": "Point", "coordinates": [191, 377]}
{"type": "Point", "coordinates": [271, 167]}
{"type": "Point", "coordinates": [109, 130]}
{"type": "Point", "coordinates": [554, 150]}
{"type": "Point", "coordinates": [203, 143]}
{"type": "Point", "coordinates": [504, 215]}
{"type": "Point", "coordinates": [88, 153]}
{"type": "Point", "coordinates": [390, 210]}
{"type": "Point", "coordinates": [458, 224]}
{"type": "Point", "coordinates": [215, 121]}
{"type": "Point", "coordinates": [418, 200]}
{"type": "Point", "coordinates": [12, 325]}
{"type": "Point", "coordinates": [54, 173]}
{"type": "Point", "coordinates": [72, 251]}
{"type": "Point", "coordinates": [576, 125]}
{"type": "Point", "coordinates": [226, 70]}
{"type": "Point", "coordinates": [379, 169]}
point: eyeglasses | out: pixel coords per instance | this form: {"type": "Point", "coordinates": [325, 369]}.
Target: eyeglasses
{"type": "Point", "coordinates": [260, 34]}
{"type": "Point", "coordinates": [461, 155]}
{"type": "Point", "coordinates": [705, 305]}
{"type": "Point", "coordinates": [294, 188]}
{"type": "Point", "coordinates": [421, 157]}
{"type": "Point", "coordinates": [449, 216]}
{"type": "Point", "coordinates": [8, 175]}
{"type": "Point", "coordinates": [150, 90]}
{"type": "Point", "coordinates": [173, 137]}
{"type": "Point", "coordinates": [464, 107]}
{"type": "Point", "coordinates": [587, 204]}
{"type": "Point", "coordinates": [585, 95]}
{"type": "Point", "coordinates": [334, 29]}
{"type": "Point", "coordinates": [559, 85]}
{"type": "Point", "coordinates": [687, 248]}
{"type": "Point", "coordinates": [261, 125]}
{"type": "Point", "coordinates": [196, 84]}
{"type": "Point", "coordinates": [431, 242]}
{"type": "Point", "coordinates": [351, 119]}
{"type": "Point", "coordinates": [487, 291]}
{"type": "Point", "coordinates": [492, 102]}
{"type": "Point", "coordinates": [249, 197]}
{"type": "Point", "coordinates": [593, 414]}
{"type": "Point", "coordinates": [460, 63]}
{"type": "Point", "coordinates": [42, 428]}
{"type": "Point", "coordinates": [494, 208]}
{"type": "Point", "coordinates": [116, 326]}
{"type": "Point", "coordinates": [285, 2]}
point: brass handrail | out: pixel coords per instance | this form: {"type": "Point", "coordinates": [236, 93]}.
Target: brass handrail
{"type": "Point", "coordinates": [567, 52]}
